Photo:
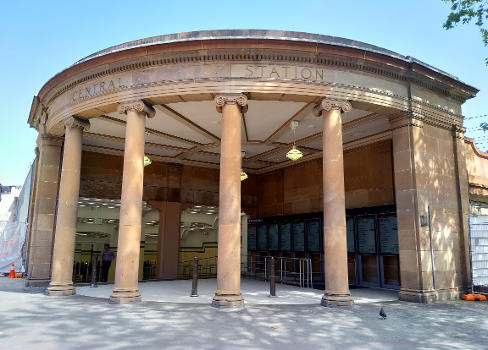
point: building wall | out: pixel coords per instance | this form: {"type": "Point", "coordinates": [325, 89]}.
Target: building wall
{"type": "Point", "coordinates": [298, 189]}
{"type": "Point", "coordinates": [437, 188]}
{"type": "Point", "coordinates": [101, 177]}
{"type": "Point", "coordinates": [428, 170]}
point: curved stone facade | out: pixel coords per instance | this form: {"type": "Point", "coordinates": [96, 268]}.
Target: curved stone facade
{"type": "Point", "coordinates": [363, 96]}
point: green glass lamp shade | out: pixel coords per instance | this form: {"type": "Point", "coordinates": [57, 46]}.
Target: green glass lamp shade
{"type": "Point", "coordinates": [147, 161]}
{"type": "Point", "coordinates": [294, 154]}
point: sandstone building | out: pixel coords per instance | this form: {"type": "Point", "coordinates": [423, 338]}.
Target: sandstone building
{"type": "Point", "coordinates": [383, 150]}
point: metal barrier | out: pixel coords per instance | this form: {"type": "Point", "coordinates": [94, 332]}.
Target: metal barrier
{"type": "Point", "coordinates": [294, 271]}
{"type": "Point", "coordinates": [206, 268]}
{"type": "Point", "coordinates": [478, 244]}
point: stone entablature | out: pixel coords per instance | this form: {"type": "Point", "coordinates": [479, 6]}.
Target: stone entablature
{"type": "Point", "coordinates": [358, 73]}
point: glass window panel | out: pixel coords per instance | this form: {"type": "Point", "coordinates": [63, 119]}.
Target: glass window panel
{"type": "Point", "coordinates": [285, 237]}
{"type": "Point", "coordinates": [273, 236]}
{"type": "Point", "coordinates": [299, 237]}
{"type": "Point", "coordinates": [262, 237]}
{"type": "Point", "coordinates": [313, 236]}
{"type": "Point", "coordinates": [366, 235]}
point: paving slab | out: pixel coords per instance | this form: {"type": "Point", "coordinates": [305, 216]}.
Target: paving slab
{"type": "Point", "coordinates": [34, 320]}
{"type": "Point", "coordinates": [254, 292]}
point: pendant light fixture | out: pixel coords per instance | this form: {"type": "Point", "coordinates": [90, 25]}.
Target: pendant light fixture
{"type": "Point", "coordinates": [243, 174]}
{"type": "Point", "coordinates": [294, 153]}
{"type": "Point", "coordinates": [147, 160]}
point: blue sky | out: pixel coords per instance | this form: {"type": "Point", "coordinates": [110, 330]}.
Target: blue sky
{"type": "Point", "coordinates": [40, 38]}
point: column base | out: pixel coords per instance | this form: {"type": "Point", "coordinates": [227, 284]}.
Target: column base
{"type": "Point", "coordinates": [337, 299]}
{"type": "Point", "coordinates": [39, 283]}
{"type": "Point", "coordinates": [59, 289]}
{"type": "Point", "coordinates": [120, 296]}
{"type": "Point", "coordinates": [228, 300]}
{"type": "Point", "coordinates": [417, 295]}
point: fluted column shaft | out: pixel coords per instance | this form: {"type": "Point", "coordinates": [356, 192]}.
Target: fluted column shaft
{"type": "Point", "coordinates": [228, 292]}
{"type": "Point", "coordinates": [335, 239]}
{"type": "Point", "coordinates": [69, 189]}
{"type": "Point", "coordinates": [126, 287]}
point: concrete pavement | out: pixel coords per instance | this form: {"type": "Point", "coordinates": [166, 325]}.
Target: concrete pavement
{"type": "Point", "coordinates": [33, 320]}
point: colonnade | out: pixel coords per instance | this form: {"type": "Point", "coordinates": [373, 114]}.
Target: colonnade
{"type": "Point", "coordinates": [228, 293]}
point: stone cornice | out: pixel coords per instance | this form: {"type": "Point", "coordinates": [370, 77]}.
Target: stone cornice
{"type": "Point", "coordinates": [280, 56]}
{"type": "Point", "coordinates": [328, 104]}
{"type": "Point", "coordinates": [138, 106]}
{"type": "Point", "coordinates": [403, 120]}
{"type": "Point", "coordinates": [231, 99]}
{"type": "Point", "coordinates": [458, 132]}
{"type": "Point", "coordinates": [75, 122]}
{"type": "Point", "coordinates": [48, 140]}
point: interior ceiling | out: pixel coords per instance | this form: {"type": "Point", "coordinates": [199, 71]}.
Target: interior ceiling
{"type": "Point", "coordinates": [190, 131]}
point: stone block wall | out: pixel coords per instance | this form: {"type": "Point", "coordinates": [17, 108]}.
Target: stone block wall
{"type": "Point", "coordinates": [298, 189]}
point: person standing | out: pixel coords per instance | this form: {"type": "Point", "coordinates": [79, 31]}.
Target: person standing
{"type": "Point", "coordinates": [107, 257]}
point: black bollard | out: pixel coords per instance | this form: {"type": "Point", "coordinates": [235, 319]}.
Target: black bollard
{"type": "Point", "coordinates": [272, 280]}
{"type": "Point", "coordinates": [93, 283]}
{"type": "Point", "coordinates": [194, 283]}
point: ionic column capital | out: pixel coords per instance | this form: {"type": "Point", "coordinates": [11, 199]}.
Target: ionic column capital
{"type": "Point", "coordinates": [75, 122]}
{"type": "Point", "coordinates": [231, 99]}
{"type": "Point", "coordinates": [329, 104]}
{"type": "Point", "coordinates": [138, 106]}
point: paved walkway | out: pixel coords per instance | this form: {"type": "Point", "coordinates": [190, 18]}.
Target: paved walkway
{"type": "Point", "coordinates": [254, 292]}
{"type": "Point", "coordinates": [33, 320]}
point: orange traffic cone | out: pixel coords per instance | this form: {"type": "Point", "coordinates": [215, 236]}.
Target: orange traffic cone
{"type": "Point", "coordinates": [12, 272]}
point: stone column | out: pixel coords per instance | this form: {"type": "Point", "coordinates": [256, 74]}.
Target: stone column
{"type": "Point", "coordinates": [335, 244]}
{"type": "Point", "coordinates": [228, 292]}
{"type": "Point", "coordinates": [69, 189]}
{"type": "Point", "coordinates": [127, 265]}
{"type": "Point", "coordinates": [44, 195]}
{"type": "Point", "coordinates": [168, 239]}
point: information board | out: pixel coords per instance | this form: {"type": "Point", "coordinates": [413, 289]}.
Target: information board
{"type": "Point", "coordinates": [388, 229]}
{"type": "Point", "coordinates": [285, 237]}
{"type": "Point", "coordinates": [313, 236]}
{"type": "Point", "coordinates": [350, 235]}
{"type": "Point", "coordinates": [273, 237]}
{"type": "Point", "coordinates": [366, 235]}
{"type": "Point", "coordinates": [251, 237]}
{"type": "Point", "coordinates": [262, 237]}
{"type": "Point", "coordinates": [299, 237]}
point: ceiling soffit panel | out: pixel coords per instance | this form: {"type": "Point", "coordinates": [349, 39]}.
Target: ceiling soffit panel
{"type": "Point", "coordinates": [201, 113]}
{"type": "Point", "coordinates": [190, 131]}
{"type": "Point", "coordinates": [179, 125]}
{"type": "Point", "coordinates": [107, 127]}
{"type": "Point", "coordinates": [265, 117]}
{"type": "Point", "coordinates": [152, 135]}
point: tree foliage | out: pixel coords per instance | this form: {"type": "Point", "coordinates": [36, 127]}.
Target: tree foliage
{"type": "Point", "coordinates": [464, 11]}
